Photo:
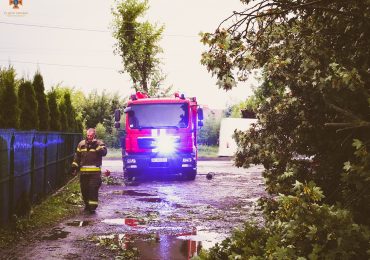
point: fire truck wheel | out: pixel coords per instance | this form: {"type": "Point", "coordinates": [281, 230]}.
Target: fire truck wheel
{"type": "Point", "coordinates": [190, 176]}
{"type": "Point", "coordinates": [127, 177]}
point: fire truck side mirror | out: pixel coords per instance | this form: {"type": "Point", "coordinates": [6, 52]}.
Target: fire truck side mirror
{"type": "Point", "coordinates": [200, 123]}
{"type": "Point", "coordinates": [117, 115]}
{"type": "Point", "coordinates": [127, 109]}
{"type": "Point", "coordinates": [117, 125]}
{"type": "Point", "coordinates": [200, 113]}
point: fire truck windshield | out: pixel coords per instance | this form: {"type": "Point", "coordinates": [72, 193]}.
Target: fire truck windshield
{"type": "Point", "coordinates": [164, 115]}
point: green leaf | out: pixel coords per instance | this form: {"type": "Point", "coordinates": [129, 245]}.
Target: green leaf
{"type": "Point", "coordinates": [357, 144]}
{"type": "Point", "coordinates": [347, 166]}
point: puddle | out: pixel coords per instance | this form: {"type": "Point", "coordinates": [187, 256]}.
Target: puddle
{"type": "Point", "coordinates": [157, 246]}
{"type": "Point", "coordinates": [56, 233]}
{"type": "Point", "coordinates": [179, 206]}
{"type": "Point", "coordinates": [132, 222]}
{"type": "Point", "coordinates": [78, 223]}
{"type": "Point", "coordinates": [207, 238]}
{"type": "Point", "coordinates": [132, 193]}
{"type": "Point", "coordinates": [156, 200]}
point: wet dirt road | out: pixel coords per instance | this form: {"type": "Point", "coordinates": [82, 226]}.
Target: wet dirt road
{"type": "Point", "coordinates": [161, 219]}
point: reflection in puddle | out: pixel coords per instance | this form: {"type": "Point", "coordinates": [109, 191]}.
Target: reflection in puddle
{"type": "Point", "coordinates": [78, 223]}
{"type": "Point", "coordinates": [207, 238]}
{"type": "Point", "coordinates": [56, 233]}
{"type": "Point", "coordinates": [132, 222]}
{"type": "Point", "coordinates": [158, 246]}
{"type": "Point", "coordinates": [132, 193]}
{"type": "Point", "coordinates": [151, 199]}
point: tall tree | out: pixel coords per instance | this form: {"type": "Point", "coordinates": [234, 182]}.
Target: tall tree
{"type": "Point", "coordinates": [43, 108]}
{"type": "Point", "coordinates": [99, 108]}
{"type": "Point", "coordinates": [70, 111]}
{"type": "Point", "coordinates": [63, 115]}
{"type": "Point", "coordinates": [313, 110]}
{"type": "Point", "coordinates": [55, 124]}
{"type": "Point", "coordinates": [137, 43]}
{"type": "Point", "coordinates": [210, 132]}
{"type": "Point", "coordinates": [28, 106]}
{"type": "Point", "coordinates": [9, 110]}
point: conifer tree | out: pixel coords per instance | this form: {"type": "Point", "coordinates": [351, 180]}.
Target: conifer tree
{"type": "Point", "coordinates": [70, 112]}
{"type": "Point", "coordinates": [53, 111]}
{"type": "Point", "coordinates": [43, 109]}
{"type": "Point", "coordinates": [9, 111]}
{"type": "Point", "coordinates": [28, 106]}
{"type": "Point", "coordinates": [63, 115]}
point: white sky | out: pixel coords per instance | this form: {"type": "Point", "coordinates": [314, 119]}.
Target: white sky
{"type": "Point", "coordinates": [85, 60]}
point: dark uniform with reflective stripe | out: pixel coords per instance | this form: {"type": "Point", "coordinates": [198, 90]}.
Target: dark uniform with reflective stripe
{"type": "Point", "coordinates": [88, 159]}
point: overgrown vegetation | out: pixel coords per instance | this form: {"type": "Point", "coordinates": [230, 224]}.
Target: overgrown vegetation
{"type": "Point", "coordinates": [207, 151]}
{"type": "Point", "coordinates": [66, 202]}
{"type": "Point", "coordinates": [209, 134]}
{"type": "Point", "coordinates": [26, 106]}
{"type": "Point", "coordinates": [118, 244]}
{"type": "Point", "coordinates": [312, 136]}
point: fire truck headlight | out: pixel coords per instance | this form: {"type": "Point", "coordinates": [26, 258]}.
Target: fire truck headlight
{"type": "Point", "coordinates": [166, 144]}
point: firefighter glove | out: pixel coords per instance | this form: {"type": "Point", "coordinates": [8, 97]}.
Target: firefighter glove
{"type": "Point", "coordinates": [101, 150]}
{"type": "Point", "coordinates": [74, 169]}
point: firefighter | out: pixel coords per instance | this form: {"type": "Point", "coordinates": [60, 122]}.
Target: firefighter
{"type": "Point", "coordinates": [87, 161]}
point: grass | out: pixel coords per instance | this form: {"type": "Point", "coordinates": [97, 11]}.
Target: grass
{"type": "Point", "coordinates": [207, 151]}
{"type": "Point", "coordinates": [204, 151]}
{"type": "Point", "coordinates": [52, 210]}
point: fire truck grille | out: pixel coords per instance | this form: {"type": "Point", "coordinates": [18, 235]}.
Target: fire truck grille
{"type": "Point", "coordinates": [146, 143]}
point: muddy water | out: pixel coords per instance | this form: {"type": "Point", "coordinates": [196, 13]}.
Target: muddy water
{"type": "Point", "coordinates": [167, 219]}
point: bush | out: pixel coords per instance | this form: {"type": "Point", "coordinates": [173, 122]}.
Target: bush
{"type": "Point", "coordinates": [299, 228]}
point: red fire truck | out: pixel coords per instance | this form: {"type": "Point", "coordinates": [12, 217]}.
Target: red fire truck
{"type": "Point", "coordinates": [161, 136]}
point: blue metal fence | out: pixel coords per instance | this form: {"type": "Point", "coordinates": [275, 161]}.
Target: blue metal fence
{"type": "Point", "coordinates": [32, 165]}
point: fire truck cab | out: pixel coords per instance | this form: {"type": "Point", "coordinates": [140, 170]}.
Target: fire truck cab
{"type": "Point", "coordinates": [161, 136]}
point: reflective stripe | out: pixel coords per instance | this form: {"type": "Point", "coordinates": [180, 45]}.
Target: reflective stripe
{"type": "Point", "coordinates": [90, 169]}
{"type": "Point", "coordinates": [100, 147]}
{"type": "Point", "coordinates": [85, 150]}
{"type": "Point", "coordinates": [92, 202]}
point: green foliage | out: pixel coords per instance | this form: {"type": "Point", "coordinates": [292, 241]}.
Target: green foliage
{"type": "Point", "coordinates": [313, 111]}
{"type": "Point", "coordinates": [43, 108]}
{"type": "Point", "coordinates": [64, 203]}
{"type": "Point", "coordinates": [243, 108]}
{"type": "Point", "coordinates": [118, 245]}
{"type": "Point", "coordinates": [63, 115]}
{"type": "Point", "coordinates": [298, 227]}
{"type": "Point", "coordinates": [137, 44]}
{"type": "Point", "coordinates": [101, 132]}
{"type": "Point", "coordinates": [356, 174]}
{"type": "Point", "coordinates": [9, 111]}
{"type": "Point", "coordinates": [28, 106]}
{"type": "Point", "coordinates": [314, 97]}
{"type": "Point", "coordinates": [69, 118]}
{"type": "Point", "coordinates": [55, 124]}
{"type": "Point", "coordinates": [207, 151]}
{"type": "Point", "coordinates": [210, 132]}
{"type": "Point", "coordinates": [100, 109]}
{"type": "Point", "coordinates": [71, 115]}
